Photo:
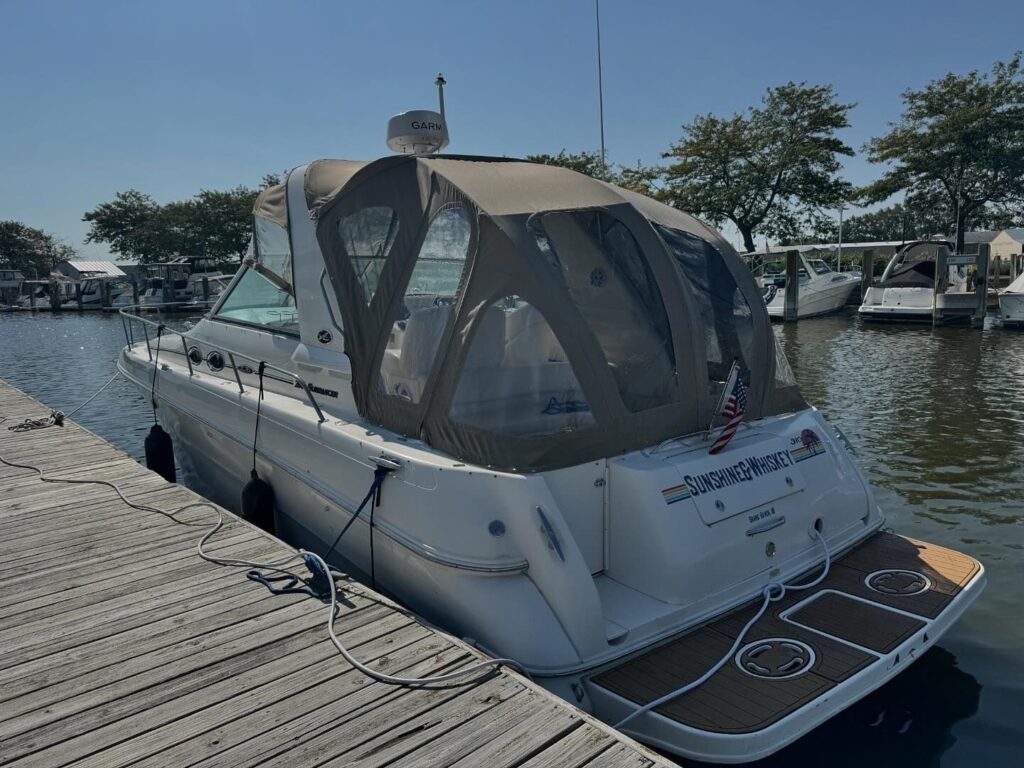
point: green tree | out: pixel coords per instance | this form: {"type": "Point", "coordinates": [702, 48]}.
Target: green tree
{"type": "Point", "coordinates": [213, 224]}
{"type": "Point", "coordinates": [639, 179]}
{"type": "Point", "coordinates": [959, 146]}
{"type": "Point", "coordinates": [770, 170]}
{"type": "Point", "coordinates": [31, 251]}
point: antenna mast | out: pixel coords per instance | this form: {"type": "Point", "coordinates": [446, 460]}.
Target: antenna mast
{"type": "Point", "coordinates": [600, 88]}
{"type": "Point", "coordinates": [440, 83]}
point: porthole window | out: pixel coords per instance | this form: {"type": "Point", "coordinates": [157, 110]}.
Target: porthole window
{"type": "Point", "coordinates": [195, 355]}
{"type": "Point", "coordinates": [215, 360]}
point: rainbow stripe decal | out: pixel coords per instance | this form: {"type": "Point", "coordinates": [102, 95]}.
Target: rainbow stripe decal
{"type": "Point", "coordinates": [808, 445]}
{"type": "Point", "coordinates": [675, 493]}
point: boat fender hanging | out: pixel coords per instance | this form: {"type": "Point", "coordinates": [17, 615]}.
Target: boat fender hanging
{"type": "Point", "coordinates": [160, 454]}
{"type": "Point", "coordinates": [257, 503]}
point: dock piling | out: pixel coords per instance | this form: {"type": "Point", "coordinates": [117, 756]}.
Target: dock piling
{"type": "Point", "coordinates": [981, 284]}
{"type": "Point", "coordinates": [867, 275]}
{"type": "Point", "coordinates": [790, 311]}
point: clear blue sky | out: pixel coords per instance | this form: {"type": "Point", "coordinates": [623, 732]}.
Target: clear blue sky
{"type": "Point", "coordinates": [170, 97]}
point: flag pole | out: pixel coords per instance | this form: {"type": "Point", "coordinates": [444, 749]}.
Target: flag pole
{"type": "Point", "coordinates": [730, 382]}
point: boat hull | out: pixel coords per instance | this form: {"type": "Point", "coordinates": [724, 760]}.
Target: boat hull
{"type": "Point", "coordinates": [1011, 308]}
{"type": "Point", "coordinates": [813, 303]}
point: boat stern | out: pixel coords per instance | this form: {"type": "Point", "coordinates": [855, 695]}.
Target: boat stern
{"type": "Point", "coordinates": [812, 654]}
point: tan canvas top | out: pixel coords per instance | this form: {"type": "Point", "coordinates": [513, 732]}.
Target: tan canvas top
{"type": "Point", "coordinates": [647, 306]}
{"type": "Point", "coordinates": [323, 179]}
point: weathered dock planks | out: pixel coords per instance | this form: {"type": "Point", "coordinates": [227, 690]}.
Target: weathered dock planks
{"type": "Point", "coordinates": [120, 646]}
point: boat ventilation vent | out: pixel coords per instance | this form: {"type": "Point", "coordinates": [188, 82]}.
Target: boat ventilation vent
{"type": "Point", "coordinates": [776, 658]}
{"type": "Point", "coordinates": [898, 582]}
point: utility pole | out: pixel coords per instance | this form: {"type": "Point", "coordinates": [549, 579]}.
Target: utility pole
{"type": "Point", "coordinates": [600, 88]}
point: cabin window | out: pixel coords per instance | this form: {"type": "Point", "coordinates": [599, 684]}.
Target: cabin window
{"type": "Point", "coordinates": [517, 379]}
{"type": "Point", "coordinates": [256, 300]}
{"type": "Point", "coordinates": [367, 236]}
{"type": "Point", "coordinates": [427, 305]}
{"type": "Point", "coordinates": [611, 284]}
{"type": "Point", "coordinates": [273, 251]}
{"type": "Point", "coordinates": [783, 372]}
{"type": "Point", "coordinates": [728, 322]}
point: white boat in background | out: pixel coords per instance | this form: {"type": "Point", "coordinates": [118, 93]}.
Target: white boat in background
{"type": "Point", "coordinates": [92, 290]}
{"type": "Point", "coordinates": [906, 291]}
{"type": "Point", "coordinates": [516, 365]}
{"type": "Point", "coordinates": [821, 291]}
{"type": "Point", "coordinates": [1011, 302]}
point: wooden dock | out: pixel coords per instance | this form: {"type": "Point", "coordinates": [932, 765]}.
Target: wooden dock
{"type": "Point", "coordinates": [120, 646]}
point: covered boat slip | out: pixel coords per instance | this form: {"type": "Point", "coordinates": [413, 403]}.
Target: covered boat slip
{"type": "Point", "coordinates": [120, 646]}
{"type": "Point", "coordinates": [871, 616]}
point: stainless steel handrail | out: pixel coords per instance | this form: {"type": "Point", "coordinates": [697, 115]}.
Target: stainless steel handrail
{"type": "Point", "coordinates": [125, 312]}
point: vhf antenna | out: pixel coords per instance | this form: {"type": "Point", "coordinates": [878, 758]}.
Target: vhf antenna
{"type": "Point", "coordinates": [440, 83]}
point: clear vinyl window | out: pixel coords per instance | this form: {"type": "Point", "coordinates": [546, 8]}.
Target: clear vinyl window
{"type": "Point", "coordinates": [367, 237]}
{"type": "Point", "coordinates": [727, 319]}
{"type": "Point", "coordinates": [273, 251]}
{"type": "Point", "coordinates": [611, 284]}
{"type": "Point", "coordinates": [427, 305]}
{"type": "Point", "coordinates": [517, 379]}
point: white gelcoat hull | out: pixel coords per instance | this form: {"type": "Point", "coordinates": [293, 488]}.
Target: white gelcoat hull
{"type": "Point", "coordinates": [561, 621]}
{"type": "Point", "coordinates": [814, 300]}
{"type": "Point", "coordinates": [1011, 308]}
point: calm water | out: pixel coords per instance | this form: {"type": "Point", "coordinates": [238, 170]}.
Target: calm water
{"type": "Point", "coordinates": [938, 420]}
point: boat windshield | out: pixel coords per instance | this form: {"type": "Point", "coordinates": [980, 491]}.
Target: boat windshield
{"type": "Point", "coordinates": [819, 266]}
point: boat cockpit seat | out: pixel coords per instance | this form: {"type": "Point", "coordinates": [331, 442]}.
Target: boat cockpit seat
{"type": "Point", "coordinates": [529, 339]}
{"type": "Point", "coordinates": [405, 370]}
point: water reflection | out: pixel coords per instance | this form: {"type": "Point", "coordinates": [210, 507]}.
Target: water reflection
{"type": "Point", "coordinates": [906, 723]}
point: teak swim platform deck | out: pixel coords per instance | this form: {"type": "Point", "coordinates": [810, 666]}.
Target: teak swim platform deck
{"type": "Point", "coordinates": [875, 598]}
{"type": "Point", "coordinates": [119, 645]}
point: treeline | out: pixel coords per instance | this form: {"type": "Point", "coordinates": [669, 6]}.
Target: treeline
{"type": "Point", "coordinates": [956, 155]}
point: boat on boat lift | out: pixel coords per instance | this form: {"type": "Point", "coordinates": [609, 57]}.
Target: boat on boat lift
{"type": "Point", "coordinates": [520, 364]}
{"type": "Point", "coordinates": [906, 291]}
{"type": "Point", "coordinates": [821, 292]}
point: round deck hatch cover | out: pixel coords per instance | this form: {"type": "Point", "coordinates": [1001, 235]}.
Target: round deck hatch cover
{"type": "Point", "coordinates": [775, 658]}
{"type": "Point", "coordinates": [896, 581]}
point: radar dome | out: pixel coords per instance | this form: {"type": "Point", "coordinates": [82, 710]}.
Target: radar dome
{"type": "Point", "coordinates": [419, 132]}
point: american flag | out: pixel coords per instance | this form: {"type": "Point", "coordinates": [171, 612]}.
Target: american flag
{"type": "Point", "coordinates": [733, 408]}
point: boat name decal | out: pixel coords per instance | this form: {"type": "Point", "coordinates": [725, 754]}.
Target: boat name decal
{"type": "Point", "coordinates": [743, 471]}
{"type": "Point", "coordinates": [319, 390]}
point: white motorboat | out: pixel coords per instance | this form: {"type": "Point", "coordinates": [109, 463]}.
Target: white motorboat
{"type": "Point", "coordinates": [92, 291]}
{"type": "Point", "coordinates": [515, 365]}
{"type": "Point", "coordinates": [821, 290]}
{"type": "Point", "coordinates": [906, 291]}
{"type": "Point", "coordinates": [1011, 302]}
